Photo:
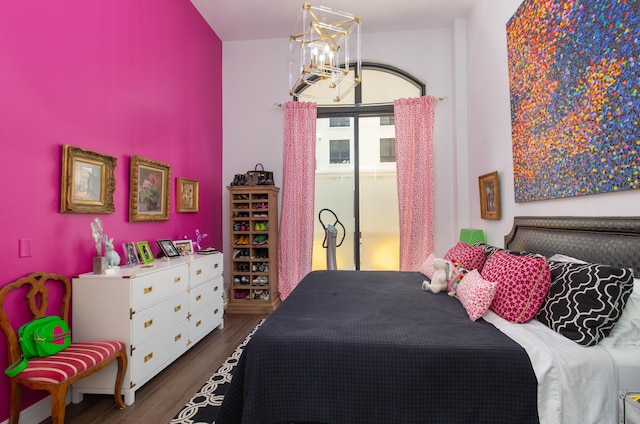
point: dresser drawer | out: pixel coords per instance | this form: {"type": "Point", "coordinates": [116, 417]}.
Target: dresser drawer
{"type": "Point", "coordinates": [152, 354]}
{"type": "Point", "coordinates": [203, 322]}
{"type": "Point", "coordinates": [205, 268]}
{"type": "Point", "coordinates": [150, 321]}
{"type": "Point", "coordinates": [205, 294]}
{"type": "Point", "coordinates": [155, 287]}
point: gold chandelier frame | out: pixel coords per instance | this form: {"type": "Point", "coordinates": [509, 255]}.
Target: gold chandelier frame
{"type": "Point", "coordinates": [321, 52]}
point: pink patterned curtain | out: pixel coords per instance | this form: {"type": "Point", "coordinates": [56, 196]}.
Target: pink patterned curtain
{"type": "Point", "coordinates": [414, 160]}
{"type": "Point", "coordinates": [298, 191]}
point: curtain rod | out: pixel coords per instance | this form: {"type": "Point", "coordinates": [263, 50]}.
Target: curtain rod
{"type": "Point", "coordinates": [438, 99]}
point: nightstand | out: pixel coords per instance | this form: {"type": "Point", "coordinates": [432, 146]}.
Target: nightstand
{"type": "Point", "coordinates": [629, 410]}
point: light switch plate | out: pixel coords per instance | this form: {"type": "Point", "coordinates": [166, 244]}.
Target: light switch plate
{"type": "Point", "coordinates": [24, 248]}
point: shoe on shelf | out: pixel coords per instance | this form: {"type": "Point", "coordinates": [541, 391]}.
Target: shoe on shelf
{"type": "Point", "coordinates": [259, 239]}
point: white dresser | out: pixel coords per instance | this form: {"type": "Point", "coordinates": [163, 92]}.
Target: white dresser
{"type": "Point", "coordinates": [159, 312]}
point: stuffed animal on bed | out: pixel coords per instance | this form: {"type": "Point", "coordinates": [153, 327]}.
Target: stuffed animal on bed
{"type": "Point", "coordinates": [441, 276]}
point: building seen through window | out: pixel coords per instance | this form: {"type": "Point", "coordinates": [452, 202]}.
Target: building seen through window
{"type": "Point", "coordinates": [356, 169]}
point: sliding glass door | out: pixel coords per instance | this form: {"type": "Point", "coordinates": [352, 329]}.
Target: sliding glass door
{"type": "Point", "coordinates": [356, 172]}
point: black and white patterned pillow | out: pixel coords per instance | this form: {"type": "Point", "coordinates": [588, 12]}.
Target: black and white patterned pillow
{"type": "Point", "coordinates": [585, 301]}
{"type": "Point", "coordinates": [489, 250]}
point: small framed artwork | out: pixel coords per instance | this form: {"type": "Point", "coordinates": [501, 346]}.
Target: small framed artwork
{"type": "Point", "coordinates": [168, 248]}
{"type": "Point", "coordinates": [149, 190]}
{"type": "Point", "coordinates": [489, 196]}
{"type": "Point", "coordinates": [88, 181]}
{"type": "Point", "coordinates": [187, 198]}
{"type": "Point", "coordinates": [184, 247]}
{"type": "Point", "coordinates": [145, 252]}
{"type": "Point", "coordinates": [130, 253]}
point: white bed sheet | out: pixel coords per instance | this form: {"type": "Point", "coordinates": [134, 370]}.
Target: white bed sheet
{"type": "Point", "coordinates": [576, 384]}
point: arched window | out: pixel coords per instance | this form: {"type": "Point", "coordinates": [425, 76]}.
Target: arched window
{"type": "Point", "coordinates": [355, 168]}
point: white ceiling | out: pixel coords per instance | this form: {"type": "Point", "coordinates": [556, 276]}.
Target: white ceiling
{"type": "Point", "coordinates": [234, 20]}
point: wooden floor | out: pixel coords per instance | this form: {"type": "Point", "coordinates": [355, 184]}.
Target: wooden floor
{"type": "Point", "coordinates": [160, 399]}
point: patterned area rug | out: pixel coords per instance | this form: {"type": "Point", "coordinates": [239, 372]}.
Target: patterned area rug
{"type": "Point", "coordinates": [204, 405]}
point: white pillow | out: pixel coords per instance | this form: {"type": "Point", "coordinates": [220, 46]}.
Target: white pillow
{"type": "Point", "coordinates": [559, 257]}
{"type": "Point", "coordinates": [626, 332]}
{"type": "Point", "coordinates": [427, 268]}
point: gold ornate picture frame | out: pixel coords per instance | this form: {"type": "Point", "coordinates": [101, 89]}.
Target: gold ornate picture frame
{"type": "Point", "coordinates": [188, 195]}
{"type": "Point", "coordinates": [88, 181]}
{"type": "Point", "coordinates": [489, 196]}
{"type": "Point", "coordinates": [149, 190]}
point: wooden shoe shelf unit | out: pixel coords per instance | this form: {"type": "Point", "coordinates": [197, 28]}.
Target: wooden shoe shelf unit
{"type": "Point", "coordinates": [254, 249]}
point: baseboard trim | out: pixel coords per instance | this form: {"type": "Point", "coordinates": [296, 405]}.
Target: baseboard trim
{"type": "Point", "coordinates": [36, 413]}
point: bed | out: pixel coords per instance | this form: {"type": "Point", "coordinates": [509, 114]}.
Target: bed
{"type": "Point", "coordinates": [373, 347]}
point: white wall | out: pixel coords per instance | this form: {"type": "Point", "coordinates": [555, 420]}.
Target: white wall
{"type": "Point", "coordinates": [474, 124]}
{"type": "Point", "coordinates": [256, 74]}
{"type": "Point", "coordinates": [489, 139]}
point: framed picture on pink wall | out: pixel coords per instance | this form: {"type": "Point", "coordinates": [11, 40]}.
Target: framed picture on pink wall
{"type": "Point", "coordinates": [88, 181]}
{"type": "Point", "coordinates": [187, 198]}
{"type": "Point", "coordinates": [149, 190]}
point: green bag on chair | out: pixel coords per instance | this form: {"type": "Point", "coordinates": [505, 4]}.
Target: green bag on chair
{"type": "Point", "coordinates": [39, 338]}
{"type": "Point", "coordinates": [44, 337]}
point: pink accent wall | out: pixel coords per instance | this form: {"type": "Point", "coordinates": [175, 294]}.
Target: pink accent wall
{"type": "Point", "coordinates": [117, 77]}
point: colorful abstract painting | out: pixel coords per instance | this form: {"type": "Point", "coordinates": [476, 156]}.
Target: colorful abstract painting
{"type": "Point", "coordinates": [575, 80]}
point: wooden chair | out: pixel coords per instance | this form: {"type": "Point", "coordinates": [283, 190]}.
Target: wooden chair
{"type": "Point", "coordinates": [53, 373]}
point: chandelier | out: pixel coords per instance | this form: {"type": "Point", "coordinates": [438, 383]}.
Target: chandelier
{"type": "Point", "coordinates": [321, 51]}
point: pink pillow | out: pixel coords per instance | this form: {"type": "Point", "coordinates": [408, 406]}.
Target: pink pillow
{"type": "Point", "coordinates": [470, 257]}
{"type": "Point", "coordinates": [523, 285]}
{"type": "Point", "coordinates": [427, 268]}
{"type": "Point", "coordinates": [476, 294]}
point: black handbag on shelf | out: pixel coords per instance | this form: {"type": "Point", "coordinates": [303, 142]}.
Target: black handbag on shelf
{"type": "Point", "coordinates": [259, 176]}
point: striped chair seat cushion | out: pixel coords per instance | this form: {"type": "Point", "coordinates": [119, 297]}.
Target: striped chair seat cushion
{"type": "Point", "coordinates": [76, 358]}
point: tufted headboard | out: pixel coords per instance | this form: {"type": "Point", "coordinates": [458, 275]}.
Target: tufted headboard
{"type": "Point", "coordinates": [613, 241]}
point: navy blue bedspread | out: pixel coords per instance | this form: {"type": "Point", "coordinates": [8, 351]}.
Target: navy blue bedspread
{"type": "Point", "coordinates": [373, 347]}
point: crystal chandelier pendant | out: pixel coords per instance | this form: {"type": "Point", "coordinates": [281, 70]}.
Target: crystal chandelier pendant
{"type": "Point", "coordinates": [324, 43]}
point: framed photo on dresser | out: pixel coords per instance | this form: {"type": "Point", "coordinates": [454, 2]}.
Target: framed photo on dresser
{"type": "Point", "coordinates": [168, 248]}
{"type": "Point", "coordinates": [145, 252]}
{"type": "Point", "coordinates": [129, 250]}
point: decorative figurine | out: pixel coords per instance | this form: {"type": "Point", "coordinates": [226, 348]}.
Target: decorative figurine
{"type": "Point", "coordinates": [96, 231]}
{"type": "Point", "coordinates": [99, 262]}
{"type": "Point", "coordinates": [199, 238]}
{"type": "Point", "coordinates": [113, 258]}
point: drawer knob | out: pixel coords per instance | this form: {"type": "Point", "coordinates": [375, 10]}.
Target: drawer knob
{"type": "Point", "coordinates": [178, 337]}
{"type": "Point", "coordinates": [148, 357]}
{"type": "Point", "coordinates": [148, 323]}
{"type": "Point", "coordinates": [215, 311]}
{"type": "Point", "coordinates": [198, 272]}
{"type": "Point", "coordinates": [176, 280]}
{"type": "Point", "coordinates": [215, 288]}
{"type": "Point", "coordinates": [177, 308]}
{"type": "Point", "coordinates": [148, 290]}
{"type": "Point", "coordinates": [198, 297]}
{"type": "Point", "coordinates": [198, 323]}
{"type": "Point", "coordinates": [216, 265]}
